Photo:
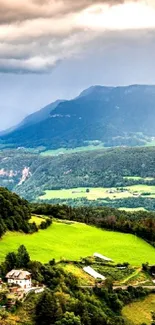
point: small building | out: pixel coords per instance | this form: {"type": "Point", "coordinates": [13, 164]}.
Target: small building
{"type": "Point", "coordinates": [93, 273]}
{"type": "Point", "coordinates": [107, 259]}
{"type": "Point", "coordinates": [19, 277]}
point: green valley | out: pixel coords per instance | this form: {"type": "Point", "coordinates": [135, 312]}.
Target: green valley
{"type": "Point", "coordinates": [118, 177]}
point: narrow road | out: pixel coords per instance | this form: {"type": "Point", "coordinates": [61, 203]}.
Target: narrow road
{"type": "Point", "coordinates": [122, 287]}
{"type": "Point", "coordinates": [135, 286]}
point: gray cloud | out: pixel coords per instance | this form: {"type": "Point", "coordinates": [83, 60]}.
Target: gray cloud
{"type": "Point", "coordinates": [15, 10]}
{"type": "Point", "coordinates": [37, 35]}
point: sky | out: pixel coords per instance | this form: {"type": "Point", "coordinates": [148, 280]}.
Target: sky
{"type": "Point", "coordinates": [53, 49]}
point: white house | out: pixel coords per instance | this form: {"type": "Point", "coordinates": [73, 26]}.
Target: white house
{"type": "Point", "coordinates": [20, 277]}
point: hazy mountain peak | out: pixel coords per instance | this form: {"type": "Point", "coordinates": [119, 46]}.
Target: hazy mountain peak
{"type": "Point", "coordinates": [95, 89]}
{"type": "Point", "coordinates": [111, 115]}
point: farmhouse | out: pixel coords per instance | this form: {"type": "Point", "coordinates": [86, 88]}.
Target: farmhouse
{"type": "Point", "coordinates": [19, 277]}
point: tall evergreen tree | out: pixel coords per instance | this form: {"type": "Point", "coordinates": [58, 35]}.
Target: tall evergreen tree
{"type": "Point", "coordinates": [46, 309]}
{"type": "Point", "coordinates": [23, 257]}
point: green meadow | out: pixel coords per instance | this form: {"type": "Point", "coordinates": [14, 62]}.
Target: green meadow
{"type": "Point", "coordinates": [132, 209]}
{"type": "Point", "coordinates": [37, 220]}
{"type": "Point", "coordinates": [99, 192]}
{"type": "Point", "coordinates": [73, 193]}
{"type": "Point", "coordinates": [141, 188]}
{"type": "Point", "coordinates": [64, 240]}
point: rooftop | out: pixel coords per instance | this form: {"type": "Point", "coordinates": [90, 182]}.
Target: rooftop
{"type": "Point", "coordinates": [18, 275]}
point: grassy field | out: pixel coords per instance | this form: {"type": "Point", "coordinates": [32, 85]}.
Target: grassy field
{"type": "Point", "coordinates": [140, 312]}
{"type": "Point", "coordinates": [137, 178]}
{"type": "Point", "coordinates": [94, 194]}
{"type": "Point", "coordinates": [37, 220]}
{"type": "Point", "coordinates": [75, 240]}
{"type": "Point", "coordinates": [132, 209]}
{"type": "Point", "coordinates": [142, 188]}
{"type": "Point", "coordinates": [99, 192]}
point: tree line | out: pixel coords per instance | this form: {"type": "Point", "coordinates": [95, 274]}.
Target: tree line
{"type": "Point", "coordinates": [140, 223]}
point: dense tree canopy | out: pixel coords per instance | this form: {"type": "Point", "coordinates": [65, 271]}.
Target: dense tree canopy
{"type": "Point", "coordinates": [14, 213]}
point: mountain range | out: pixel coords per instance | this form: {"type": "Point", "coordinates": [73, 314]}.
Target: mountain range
{"type": "Point", "coordinates": [110, 115]}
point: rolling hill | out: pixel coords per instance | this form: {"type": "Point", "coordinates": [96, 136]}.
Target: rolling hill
{"type": "Point", "coordinates": [111, 115]}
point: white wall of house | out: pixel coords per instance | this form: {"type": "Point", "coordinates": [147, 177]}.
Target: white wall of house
{"type": "Point", "coordinates": [22, 283]}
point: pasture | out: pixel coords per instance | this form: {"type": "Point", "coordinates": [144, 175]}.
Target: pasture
{"type": "Point", "coordinates": [140, 312]}
{"type": "Point", "coordinates": [74, 240]}
{"type": "Point", "coordinates": [36, 219]}
{"type": "Point", "coordinates": [94, 193]}
{"type": "Point", "coordinates": [141, 189]}
{"type": "Point", "coordinates": [100, 193]}
{"type": "Point", "coordinates": [132, 209]}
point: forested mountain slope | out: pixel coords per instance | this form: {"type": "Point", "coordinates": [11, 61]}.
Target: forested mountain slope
{"type": "Point", "coordinates": [30, 174]}
{"type": "Point", "coordinates": [112, 115]}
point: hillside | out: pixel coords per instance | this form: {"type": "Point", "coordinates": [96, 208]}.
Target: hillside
{"type": "Point", "coordinates": [85, 241]}
{"type": "Point", "coordinates": [112, 115]}
{"type": "Point", "coordinates": [31, 174]}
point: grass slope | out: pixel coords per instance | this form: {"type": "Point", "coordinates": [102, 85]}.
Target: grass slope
{"type": "Point", "coordinates": [37, 220]}
{"type": "Point", "coordinates": [75, 240]}
{"type": "Point", "coordinates": [140, 312]}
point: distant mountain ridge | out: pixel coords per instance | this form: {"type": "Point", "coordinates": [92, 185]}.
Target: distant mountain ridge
{"type": "Point", "coordinates": [112, 115]}
{"type": "Point", "coordinates": [40, 115]}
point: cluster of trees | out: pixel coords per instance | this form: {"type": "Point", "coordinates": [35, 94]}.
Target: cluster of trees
{"type": "Point", "coordinates": [129, 202]}
{"type": "Point", "coordinates": [45, 224]}
{"type": "Point", "coordinates": [64, 302]}
{"type": "Point", "coordinates": [15, 260]}
{"type": "Point", "coordinates": [14, 213]}
{"type": "Point", "coordinates": [140, 223]}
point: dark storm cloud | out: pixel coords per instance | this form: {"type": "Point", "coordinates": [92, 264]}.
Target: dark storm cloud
{"type": "Point", "coordinates": [37, 34]}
